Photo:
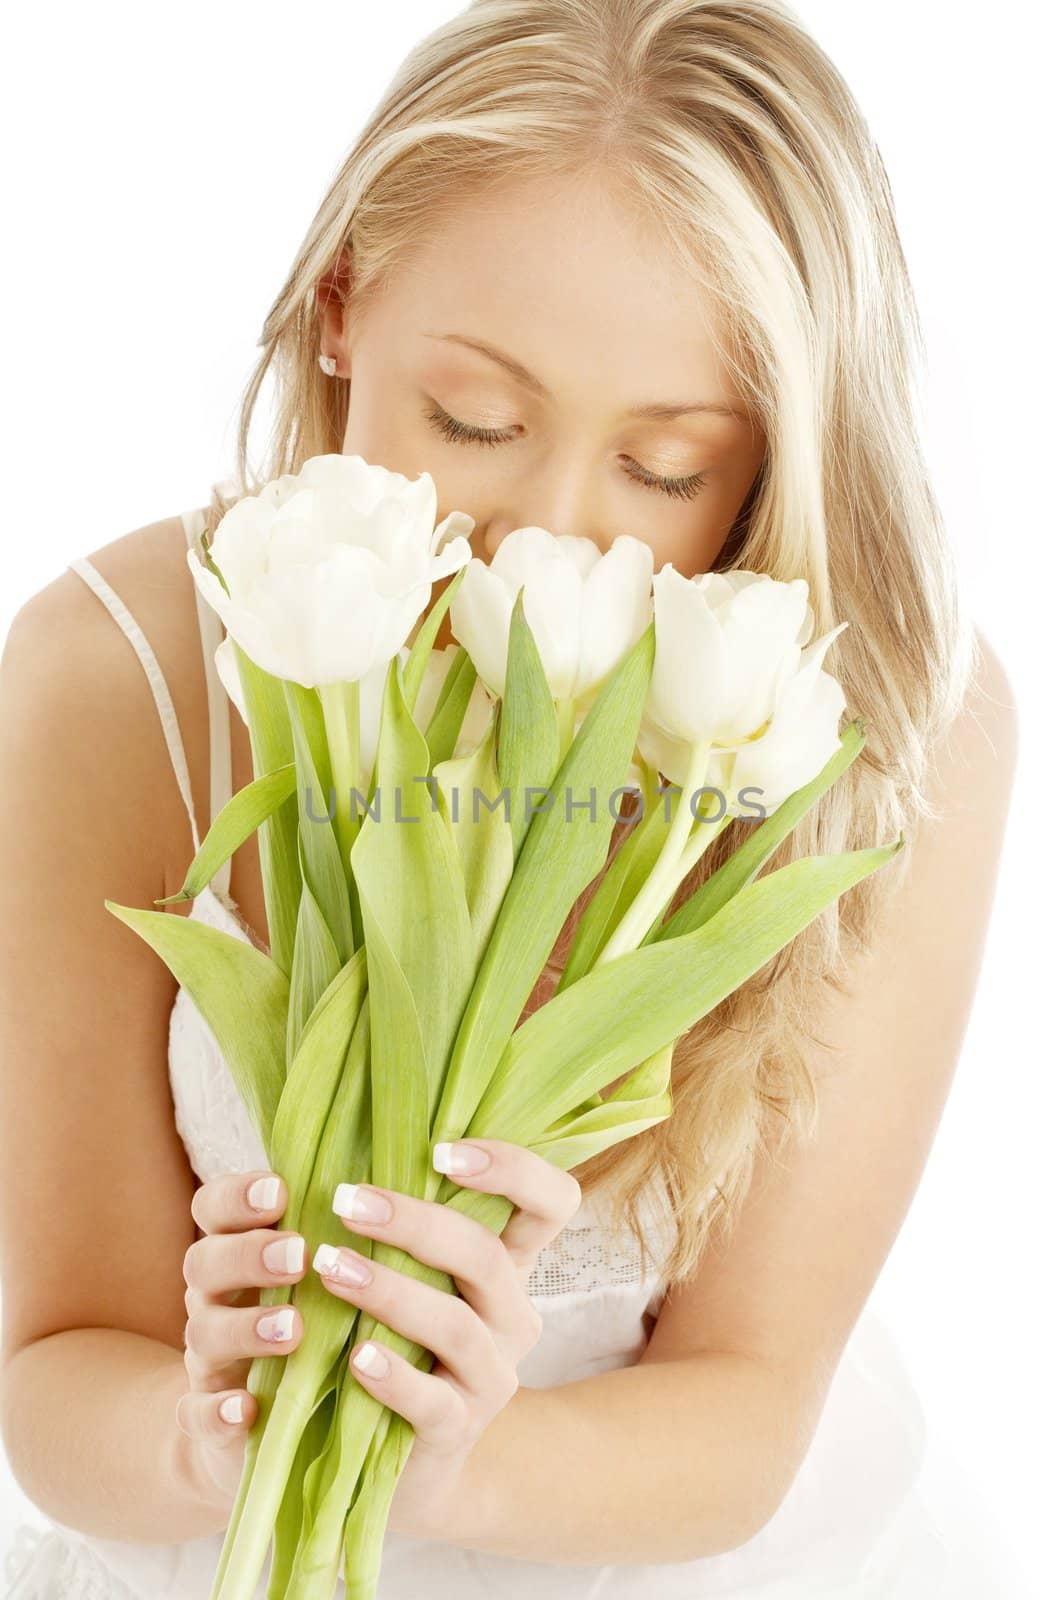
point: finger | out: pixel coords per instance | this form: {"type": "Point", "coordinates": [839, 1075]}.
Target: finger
{"type": "Point", "coordinates": [215, 1337]}
{"type": "Point", "coordinates": [441, 1237]}
{"type": "Point", "coordinates": [440, 1322]}
{"type": "Point", "coordinates": [201, 1415]}
{"type": "Point", "coordinates": [435, 1409]}
{"type": "Point", "coordinates": [239, 1200]}
{"type": "Point", "coordinates": [221, 1264]}
{"type": "Point", "coordinates": [545, 1197]}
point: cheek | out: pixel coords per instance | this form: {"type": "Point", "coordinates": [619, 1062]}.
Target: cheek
{"type": "Point", "coordinates": [372, 433]}
{"type": "Point", "coordinates": [690, 535]}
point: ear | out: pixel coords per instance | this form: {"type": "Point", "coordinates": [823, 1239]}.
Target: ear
{"type": "Point", "coordinates": [331, 293]}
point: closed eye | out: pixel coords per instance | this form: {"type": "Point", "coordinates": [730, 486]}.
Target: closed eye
{"type": "Point", "coordinates": [465, 433]}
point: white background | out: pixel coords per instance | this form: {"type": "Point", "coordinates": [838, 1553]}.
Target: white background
{"type": "Point", "coordinates": [162, 165]}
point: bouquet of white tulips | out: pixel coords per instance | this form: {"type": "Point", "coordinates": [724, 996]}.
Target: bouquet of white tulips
{"type": "Point", "coordinates": [427, 820]}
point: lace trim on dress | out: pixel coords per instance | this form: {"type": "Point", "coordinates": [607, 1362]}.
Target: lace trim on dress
{"type": "Point", "coordinates": [584, 1259]}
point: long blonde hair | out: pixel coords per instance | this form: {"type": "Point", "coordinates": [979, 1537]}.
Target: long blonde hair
{"type": "Point", "coordinates": [730, 129]}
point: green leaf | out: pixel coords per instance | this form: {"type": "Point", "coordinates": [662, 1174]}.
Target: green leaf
{"type": "Point", "coordinates": [528, 729]}
{"type": "Point", "coordinates": [271, 748]}
{"type": "Point", "coordinates": [418, 659]}
{"type": "Point", "coordinates": [400, 1080]}
{"type": "Point", "coordinates": [319, 845]}
{"type": "Point", "coordinates": [628, 1009]}
{"type": "Point", "coordinates": [620, 884]}
{"type": "Point", "coordinates": [240, 993]}
{"type": "Point", "coordinates": [406, 866]}
{"type": "Point", "coordinates": [314, 967]}
{"type": "Point", "coordinates": [470, 799]}
{"type": "Point", "coordinates": [235, 822]}
{"type": "Point", "coordinates": [641, 1101]}
{"type": "Point", "coordinates": [450, 709]}
{"type": "Point", "coordinates": [562, 853]}
{"type": "Point", "coordinates": [746, 862]}
{"type": "Point", "coordinates": [324, 1054]}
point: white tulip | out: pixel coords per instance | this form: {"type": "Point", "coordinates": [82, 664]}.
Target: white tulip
{"type": "Point", "coordinates": [328, 569]}
{"type": "Point", "coordinates": [735, 673]}
{"type": "Point", "coordinates": [586, 609]}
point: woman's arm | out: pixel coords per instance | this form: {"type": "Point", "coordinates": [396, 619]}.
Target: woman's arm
{"type": "Point", "coordinates": [89, 1425]}
{"type": "Point", "coordinates": [691, 1451]}
{"type": "Point", "coordinates": [95, 1187]}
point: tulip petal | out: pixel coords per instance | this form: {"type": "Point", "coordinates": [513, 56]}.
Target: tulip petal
{"type": "Point", "coordinates": [616, 608]}
{"type": "Point", "coordinates": [687, 682]}
{"type": "Point", "coordinates": [480, 621]}
{"type": "Point", "coordinates": [553, 600]}
{"type": "Point", "coordinates": [803, 735]}
{"type": "Point", "coordinates": [229, 672]}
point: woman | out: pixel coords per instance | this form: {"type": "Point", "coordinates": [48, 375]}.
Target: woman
{"type": "Point", "coordinates": [602, 266]}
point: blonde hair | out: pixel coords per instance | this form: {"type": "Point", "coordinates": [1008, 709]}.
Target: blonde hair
{"type": "Point", "coordinates": [729, 129]}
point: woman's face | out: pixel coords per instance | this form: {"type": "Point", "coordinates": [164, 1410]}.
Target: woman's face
{"type": "Point", "coordinates": [548, 363]}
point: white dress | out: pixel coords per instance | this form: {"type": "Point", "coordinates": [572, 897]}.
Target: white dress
{"type": "Point", "coordinates": [851, 1525]}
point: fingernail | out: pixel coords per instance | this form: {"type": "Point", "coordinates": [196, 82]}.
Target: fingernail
{"type": "Point", "coordinates": [369, 1360]}
{"type": "Point", "coordinates": [460, 1158]}
{"type": "Point", "coordinates": [284, 1255]}
{"type": "Point", "coordinates": [278, 1325]}
{"type": "Point", "coordinates": [344, 1267]}
{"type": "Point", "coordinates": [359, 1204]}
{"type": "Point", "coordinates": [231, 1409]}
{"type": "Point", "coordinates": [264, 1194]}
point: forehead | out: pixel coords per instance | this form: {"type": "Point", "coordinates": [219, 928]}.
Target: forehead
{"type": "Point", "coordinates": [562, 274]}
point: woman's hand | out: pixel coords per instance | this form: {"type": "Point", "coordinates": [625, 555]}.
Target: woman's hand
{"type": "Point", "coordinates": [227, 1327]}
{"type": "Point", "coordinates": [478, 1336]}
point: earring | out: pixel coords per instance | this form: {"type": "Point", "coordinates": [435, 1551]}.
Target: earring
{"type": "Point", "coordinates": [327, 364]}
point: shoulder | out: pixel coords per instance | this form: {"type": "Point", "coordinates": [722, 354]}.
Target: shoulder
{"type": "Point", "coordinates": [989, 717]}
{"type": "Point", "coordinates": [972, 766]}
{"type": "Point", "coordinates": [71, 682]}
{"type": "Point", "coordinates": [939, 893]}
{"type": "Point", "coordinates": [146, 567]}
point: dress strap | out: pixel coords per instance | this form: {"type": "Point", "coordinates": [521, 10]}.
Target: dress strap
{"type": "Point", "coordinates": [159, 688]}
{"type": "Point", "coordinates": [221, 757]}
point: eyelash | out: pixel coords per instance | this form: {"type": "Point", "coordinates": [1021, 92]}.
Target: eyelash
{"type": "Point", "coordinates": [463, 433]}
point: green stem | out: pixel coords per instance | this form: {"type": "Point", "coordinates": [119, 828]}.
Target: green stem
{"type": "Point", "coordinates": [251, 1453]}
{"type": "Point", "coordinates": [367, 1520]}
{"type": "Point", "coordinates": [254, 1527]}
{"type": "Point", "coordinates": [318, 1553]}
{"type": "Point", "coordinates": [702, 836]}
{"type": "Point", "coordinates": [340, 706]}
{"type": "Point", "coordinates": [665, 876]}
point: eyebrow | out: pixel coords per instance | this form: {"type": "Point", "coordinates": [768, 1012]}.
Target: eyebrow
{"type": "Point", "coordinates": [658, 410]}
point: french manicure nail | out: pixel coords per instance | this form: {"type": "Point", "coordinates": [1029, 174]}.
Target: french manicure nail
{"type": "Point", "coordinates": [466, 1159]}
{"type": "Point", "coordinates": [359, 1204]}
{"type": "Point", "coordinates": [342, 1268]}
{"type": "Point", "coordinates": [278, 1325]}
{"type": "Point", "coordinates": [264, 1194]}
{"type": "Point", "coordinates": [370, 1361]}
{"type": "Point", "coordinates": [231, 1408]}
{"type": "Point", "coordinates": [284, 1255]}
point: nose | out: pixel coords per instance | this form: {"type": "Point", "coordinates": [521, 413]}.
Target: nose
{"type": "Point", "coordinates": [562, 507]}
